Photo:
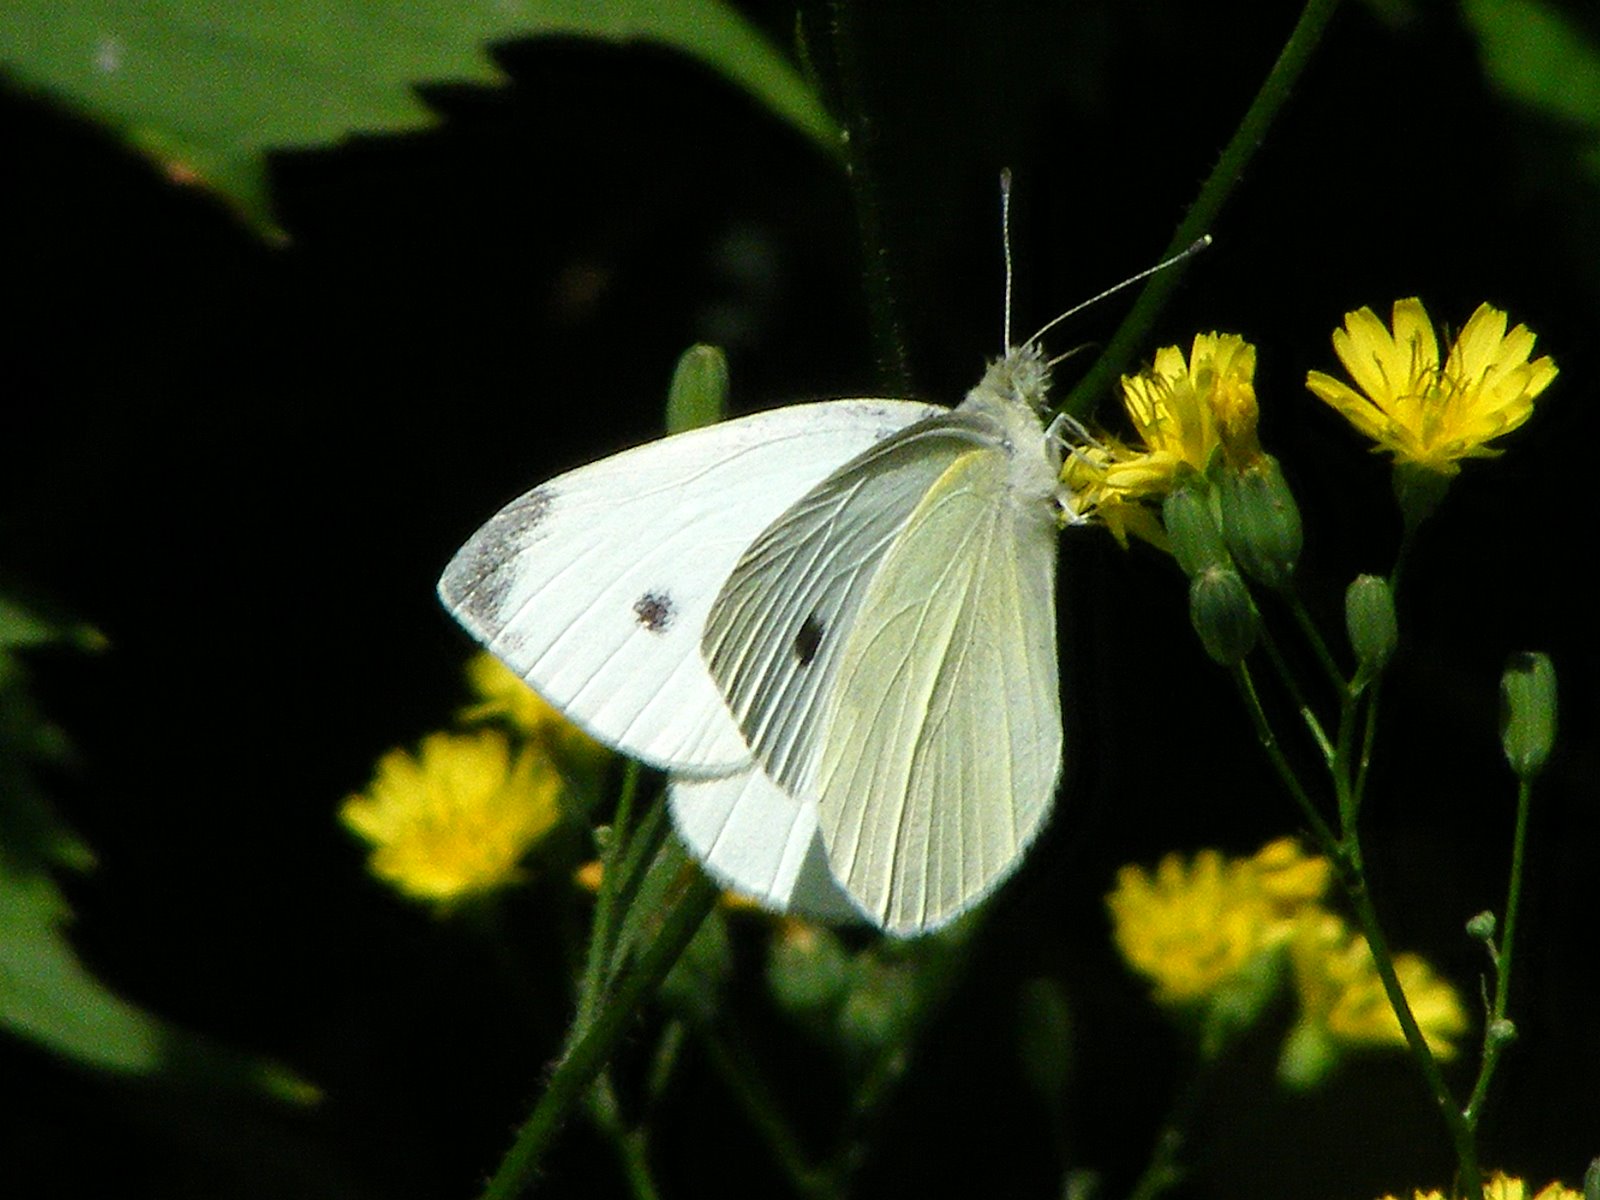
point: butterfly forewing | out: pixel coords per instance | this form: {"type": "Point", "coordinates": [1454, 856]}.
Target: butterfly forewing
{"type": "Point", "coordinates": [595, 588]}
{"type": "Point", "coordinates": [776, 632]}
{"type": "Point", "coordinates": [944, 721]}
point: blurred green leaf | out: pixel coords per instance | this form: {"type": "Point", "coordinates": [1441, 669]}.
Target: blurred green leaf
{"type": "Point", "coordinates": [1535, 56]}
{"type": "Point", "coordinates": [46, 995]}
{"type": "Point", "coordinates": [207, 88]}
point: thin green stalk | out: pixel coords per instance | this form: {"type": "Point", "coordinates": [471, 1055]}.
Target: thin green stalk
{"type": "Point", "coordinates": [1353, 877]}
{"type": "Point", "coordinates": [1369, 735]}
{"type": "Point", "coordinates": [1291, 685]}
{"type": "Point", "coordinates": [632, 1145]}
{"type": "Point", "coordinates": [1313, 635]}
{"type": "Point", "coordinates": [642, 850]}
{"type": "Point", "coordinates": [888, 342]}
{"type": "Point", "coordinates": [1163, 1171]}
{"type": "Point", "coordinates": [578, 1067]}
{"type": "Point", "coordinates": [603, 932]}
{"type": "Point", "coordinates": [737, 1071]}
{"type": "Point", "coordinates": [1494, 1037]}
{"type": "Point", "coordinates": [1230, 168]}
{"type": "Point", "coordinates": [1269, 742]}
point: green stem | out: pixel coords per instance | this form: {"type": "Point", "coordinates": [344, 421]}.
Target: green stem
{"type": "Point", "coordinates": [632, 1145]}
{"type": "Point", "coordinates": [1269, 743]}
{"type": "Point", "coordinates": [1352, 876]}
{"type": "Point", "coordinates": [1292, 685]}
{"type": "Point", "coordinates": [1313, 635]}
{"type": "Point", "coordinates": [1494, 1038]}
{"type": "Point", "coordinates": [1369, 735]}
{"type": "Point", "coordinates": [1247, 138]}
{"type": "Point", "coordinates": [603, 933]}
{"type": "Point", "coordinates": [583, 1061]}
{"type": "Point", "coordinates": [1163, 1171]}
{"type": "Point", "coordinates": [889, 347]}
{"type": "Point", "coordinates": [738, 1074]}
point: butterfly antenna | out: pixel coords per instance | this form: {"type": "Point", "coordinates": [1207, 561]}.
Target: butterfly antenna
{"type": "Point", "coordinates": [1199, 244]}
{"type": "Point", "coordinates": [1005, 243]}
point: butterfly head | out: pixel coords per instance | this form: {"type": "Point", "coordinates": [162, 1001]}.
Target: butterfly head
{"type": "Point", "coordinates": [1021, 376]}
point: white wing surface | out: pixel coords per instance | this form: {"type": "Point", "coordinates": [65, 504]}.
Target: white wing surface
{"type": "Point", "coordinates": [776, 633]}
{"type": "Point", "coordinates": [758, 840]}
{"type": "Point", "coordinates": [595, 588]}
{"type": "Point", "coordinates": [943, 743]}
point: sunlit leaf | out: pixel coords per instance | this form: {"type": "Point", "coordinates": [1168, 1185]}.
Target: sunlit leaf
{"type": "Point", "coordinates": [208, 88]}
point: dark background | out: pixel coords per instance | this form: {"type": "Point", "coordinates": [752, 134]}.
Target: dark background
{"type": "Point", "coordinates": [247, 464]}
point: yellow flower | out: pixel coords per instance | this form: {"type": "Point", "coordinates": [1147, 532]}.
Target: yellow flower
{"type": "Point", "coordinates": [1342, 996]}
{"type": "Point", "coordinates": [457, 817]}
{"type": "Point", "coordinates": [1424, 414]}
{"type": "Point", "coordinates": [1504, 1187]}
{"type": "Point", "coordinates": [503, 694]}
{"type": "Point", "coordinates": [1193, 928]}
{"type": "Point", "coordinates": [1187, 414]}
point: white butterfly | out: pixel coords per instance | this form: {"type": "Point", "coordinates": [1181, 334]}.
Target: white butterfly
{"type": "Point", "coordinates": [833, 624]}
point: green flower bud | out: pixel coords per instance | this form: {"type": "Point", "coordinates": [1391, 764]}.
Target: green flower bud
{"type": "Point", "coordinates": [1502, 1032]}
{"type": "Point", "coordinates": [699, 392]}
{"type": "Point", "coordinates": [877, 1012]}
{"type": "Point", "coordinates": [1223, 615]}
{"type": "Point", "coordinates": [1196, 539]}
{"type": "Point", "coordinates": [1309, 1053]}
{"type": "Point", "coordinates": [1482, 927]}
{"type": "Point", "coordinates": [1528, 712]}
{"type": "Point", "coordinates": [1262, 522]}
{"type": "Point", "coordinates": [1591, 1181]}
{"type": "Point", "coordinates": [808, 971]}
{"type": "Point", "coordinates": [1370, 621]}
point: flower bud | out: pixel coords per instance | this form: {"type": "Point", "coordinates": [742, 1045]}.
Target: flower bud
{"type": "Point", "coordinates": [1591, 1181]}
{"type": "Point", "coordinates": [1370, 621]}
{"type": "Point", "coordinates": [1528, 712]}
{"type": "Point", "coordinates": [808, 971]}
{"type": "Point", "coordinates": [1192, 529]}
{"type": "Point", "coordinates": [1223, 615]}
{"type": "Point", "coordinates": [1502, 1032]}
{"type": "Point", "coordinates": [1262, 522]}
{"type": "Point", "coordinates": [1308, 1055]}
{"type": "Point", "coordinates": [1482, 927]}
{"type": "Point", "coordinates": [699, 392]}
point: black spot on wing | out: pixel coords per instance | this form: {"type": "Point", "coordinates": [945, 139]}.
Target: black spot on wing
{"type": "Point", "coordinates": [477, 579]}
{"type": "Point", "coordinates": [655, 611]}
{"type": "Point", "coordinates": [808, 640]}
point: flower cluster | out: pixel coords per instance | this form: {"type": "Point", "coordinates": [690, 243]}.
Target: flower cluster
{"type": "Point", "coordinates": [1502, 1187]}
{"type": "Point", "coordinates": [1195, 416]}
{"type": "Point", "coordinates": [1204, 930]}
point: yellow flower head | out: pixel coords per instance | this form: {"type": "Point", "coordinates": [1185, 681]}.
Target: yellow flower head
{"type": "Point", "coordinates": [1504, 1187]}
{"type": "Point", "coordinates": [1187, 414]}
{"type": "Point", "coordinates": [502, 694]}
{"type": "Point", "coordinates": [1194, 927]}
{"type": "Point", "coordinates": [1342, 996]}
{"type": "Point", "coordinates": [1423, 414]}
{"type": "Point", "coordinates": [457, 817]}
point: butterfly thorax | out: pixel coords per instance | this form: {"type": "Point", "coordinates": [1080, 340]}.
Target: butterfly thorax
{"type": "Point", "coordinates": [1011, 395]}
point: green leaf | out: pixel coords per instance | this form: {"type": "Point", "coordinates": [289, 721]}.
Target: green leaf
{"type": "Point", "coordinates": [206, 89]}
{"type": "Point", "coordinates": [46, 995]}
{"type": "Point", "coordinates": [1535, 56]}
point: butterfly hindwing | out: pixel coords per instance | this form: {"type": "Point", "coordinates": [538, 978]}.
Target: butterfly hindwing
{"type": "Point", "coordinates": [595, 587]}
{"type": "Point", "coordinates": [944, 721]}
